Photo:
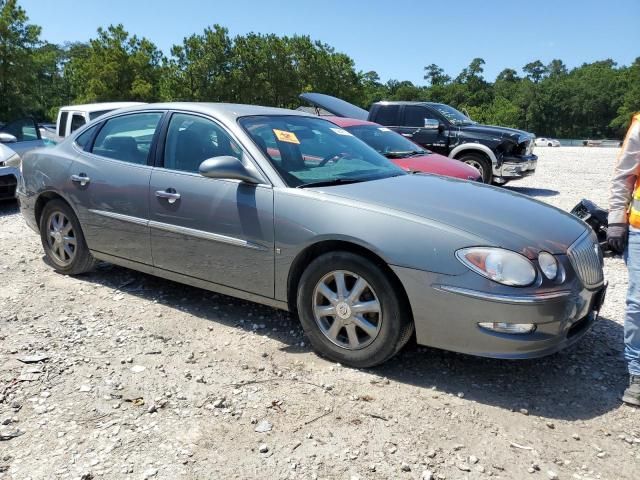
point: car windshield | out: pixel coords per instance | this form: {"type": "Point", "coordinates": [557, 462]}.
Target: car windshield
{"type": "Point", "coordinates": [454, 116]}
{"type": "Point", "coordinates": [385, 141]}
{"type": "Point", "coordinates": [309, 151]}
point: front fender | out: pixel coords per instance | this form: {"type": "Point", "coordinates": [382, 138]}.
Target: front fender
{"type": "Point", "coordinates": [477, 147]}
{"type": "Point", "coordinates": [304, 218]}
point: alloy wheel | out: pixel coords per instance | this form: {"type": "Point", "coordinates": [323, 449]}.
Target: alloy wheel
{"type": "Point", "coordinates": [61, 238]}
{"type": "Point", "coordinates": [347, 310]}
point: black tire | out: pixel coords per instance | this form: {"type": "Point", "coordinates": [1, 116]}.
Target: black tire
{"type": "Point", "coordinates": [81, 261]}
{"type": "Point", "coordinates": [480, 162]}
{"type": "Point", "coordinates": [549, 144]}
{"type": "Point", "coordinates": [395, 327]}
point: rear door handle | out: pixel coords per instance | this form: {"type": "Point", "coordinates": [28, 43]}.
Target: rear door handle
{"type": "Point", "coordinates": [170, 194]}
{"type": "Point", "coordinates": [81, 178]}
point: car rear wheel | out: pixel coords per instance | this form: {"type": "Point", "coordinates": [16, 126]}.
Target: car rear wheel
{"type": "Point", "coordinates": [351, 311]}
{"type": "Point", "coordinates": [480, 163]}
{"type": "Point", "coordinates": [63, 240]}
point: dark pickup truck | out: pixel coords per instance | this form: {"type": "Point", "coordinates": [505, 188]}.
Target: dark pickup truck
{"type": "Point", "coordinates": [500, 154]}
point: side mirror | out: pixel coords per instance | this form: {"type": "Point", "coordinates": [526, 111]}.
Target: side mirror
{"type": "Point", "coordinates": [229, 168]}
{"type": "Point", "coordinates": [431, 124]}
{"type": "Point", "coordinates": [7, 138]}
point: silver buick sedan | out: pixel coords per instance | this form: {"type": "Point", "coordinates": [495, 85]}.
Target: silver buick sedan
{"type": "Point", "coordinates": [289, 210]}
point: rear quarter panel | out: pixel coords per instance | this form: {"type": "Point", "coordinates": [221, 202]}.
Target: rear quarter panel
{"type": "Point", "coordinates": [44, 171]}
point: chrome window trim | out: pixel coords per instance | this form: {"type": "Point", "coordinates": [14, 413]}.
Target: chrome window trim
{"type": "Point", "coordinates": [512, 299]}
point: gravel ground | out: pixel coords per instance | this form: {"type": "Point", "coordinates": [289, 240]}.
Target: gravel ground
{"type": "Point", "coordinates": [146, 378]}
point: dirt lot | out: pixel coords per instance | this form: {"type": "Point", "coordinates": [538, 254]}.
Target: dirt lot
{"type": "Point", "coordinates": [146, 378]}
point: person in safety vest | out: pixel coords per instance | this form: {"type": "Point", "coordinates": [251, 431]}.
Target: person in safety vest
{"type": "Point", "coordinates": [623, 236]}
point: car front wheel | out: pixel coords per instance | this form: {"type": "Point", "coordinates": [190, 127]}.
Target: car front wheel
{"type": "Point", "coordinates": [480, 163]}
{"type": "Point", "coordinates": [63, 240]}
{"type": "Point", "coordinates": [351, 311]}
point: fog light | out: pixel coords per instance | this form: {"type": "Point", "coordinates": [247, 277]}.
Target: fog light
{"type": "Point", "coordinates": [512, 328]}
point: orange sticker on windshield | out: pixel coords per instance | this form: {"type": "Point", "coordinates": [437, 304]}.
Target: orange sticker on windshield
{"type": "Point", "coordinates": [285, 136]}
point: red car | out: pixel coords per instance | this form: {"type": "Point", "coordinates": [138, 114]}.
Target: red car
{"type": "Point", "coordinates": [403, 152]}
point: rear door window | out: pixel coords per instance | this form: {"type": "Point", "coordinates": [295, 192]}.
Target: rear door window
{"type": "Point", "coordinates": [85, 137]}
{"type": "Point", "coordinates": [128, 137]}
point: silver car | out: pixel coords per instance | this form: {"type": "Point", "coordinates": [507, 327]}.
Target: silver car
{"type": "Point", "coordinates": [9, 172]}
{"type": "Point", "coordinates": [287, 209]}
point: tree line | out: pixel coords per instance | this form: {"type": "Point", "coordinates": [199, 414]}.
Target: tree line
{"type": "Point", "coordinates": [594, 100]}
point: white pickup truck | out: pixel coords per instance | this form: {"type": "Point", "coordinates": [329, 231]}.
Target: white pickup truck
{"type": "Point", "coordinates": [72, 117]}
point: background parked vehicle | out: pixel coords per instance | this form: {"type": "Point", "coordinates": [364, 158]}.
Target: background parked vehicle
{"type": "Point", "coordinates": [500, 154]}
{"type": "Point", "coordinates": [9, 172]}
{"type": "Point", "coordinates": [547, 142]}
{"type": "Point", "coordinates": [22, 135]}
{"type": "Point", "coordinates": [287, 209]}
{"type": "Point", "coordinates": [403, 152]}
{"type": "Point", "coordinates": [72, 117]}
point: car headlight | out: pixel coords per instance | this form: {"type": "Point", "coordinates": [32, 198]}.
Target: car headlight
{"type": "Point", "coordinates": [13, 161]}
{"type": "Point", "coordinates": [500, 265]}
{"type": "Point", "coordinates": [548, 265]}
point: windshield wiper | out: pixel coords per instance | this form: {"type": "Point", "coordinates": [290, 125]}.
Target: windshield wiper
{"type": "Point", "coordinates": [335, 181]}
{"type": "Point", "coordinates": [408, 153]}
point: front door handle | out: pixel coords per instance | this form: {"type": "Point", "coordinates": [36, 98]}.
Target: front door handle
{"type": "Point", "coordinates": [81, 178]}
{"type": "Point", "coordinates": [170, 194]}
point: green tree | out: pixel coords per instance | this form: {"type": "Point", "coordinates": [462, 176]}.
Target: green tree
{"type": "Point", "coordinates": [198, 70]}
{"type": "Point", "coordinates": [19, 41]}
{"type": "Point", "coordinates": [116, 66]}
{"type": "Point", "coordinates": [435, 75]}
{"type": "Point", "coordinates": [535, 71]}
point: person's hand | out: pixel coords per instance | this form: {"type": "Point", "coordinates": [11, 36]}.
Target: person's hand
{"type": "Point", "coordinates": [617, 236]}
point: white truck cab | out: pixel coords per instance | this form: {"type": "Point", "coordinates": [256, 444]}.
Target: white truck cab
{"type": "Point", "coordinates": [72, 117]}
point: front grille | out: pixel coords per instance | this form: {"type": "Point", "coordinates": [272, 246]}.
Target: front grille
{"type": "Point", "coordinates": [586, 258]}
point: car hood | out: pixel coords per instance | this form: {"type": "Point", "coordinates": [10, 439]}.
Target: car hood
{"type": "Point", "coordinates": [334, 105]}
{"type": "Point", "coordinates": [501, 217]}
{"type": "Point", "coordinates": [499, 132]}
{"type": "Point", "coordinates": [438, 164]}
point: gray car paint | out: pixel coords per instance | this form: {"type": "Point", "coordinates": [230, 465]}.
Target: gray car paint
{"type": "Point", "coordinates": [243, 240]}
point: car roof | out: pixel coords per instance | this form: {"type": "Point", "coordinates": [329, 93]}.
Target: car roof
{"type": "Point", "coordinates": [96, 107]}
{"type": "Point", "coordinates": [347, 122]}
{"type": "Point", "coordinates": [406, 102]}
{"type": "Point", "coordinates": [229, 111]}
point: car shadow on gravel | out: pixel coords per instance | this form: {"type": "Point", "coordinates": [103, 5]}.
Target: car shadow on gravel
{"type": "Point", "coordinates": [533, 191]}
{"type": "Point", "coordinates": [581, 382]}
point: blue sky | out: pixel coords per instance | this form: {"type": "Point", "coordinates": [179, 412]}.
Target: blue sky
{"type": "Point", "coordinates": [395, 38]}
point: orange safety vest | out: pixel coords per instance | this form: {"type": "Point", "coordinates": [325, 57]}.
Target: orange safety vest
{"type": "Point", "coordinates": [634, 207]}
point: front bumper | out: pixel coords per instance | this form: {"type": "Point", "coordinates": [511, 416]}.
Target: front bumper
{"type": "Point", "coordinates": [513, 168]}
{"type": "Point", "coordinates": [448, 309]}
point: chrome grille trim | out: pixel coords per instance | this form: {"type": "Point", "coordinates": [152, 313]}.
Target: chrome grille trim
{"type": "Point", "coordinates": [586, 258]}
